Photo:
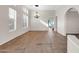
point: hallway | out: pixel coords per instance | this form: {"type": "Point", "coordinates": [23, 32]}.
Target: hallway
{"type": "Point", "coordinates": [36, 42]}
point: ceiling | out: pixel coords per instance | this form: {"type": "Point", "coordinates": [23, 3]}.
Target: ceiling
{"type": "Point", "coordinates": [44, 7]}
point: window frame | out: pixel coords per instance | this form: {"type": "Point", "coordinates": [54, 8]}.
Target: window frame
{"type": "Point", "coordinates": [12, 18]}
{"type": "Point", "coordinates": [25, 17]}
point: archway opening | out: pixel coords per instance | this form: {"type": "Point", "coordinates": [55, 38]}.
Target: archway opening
{"type": "Point", "coordinates": [72, 21]}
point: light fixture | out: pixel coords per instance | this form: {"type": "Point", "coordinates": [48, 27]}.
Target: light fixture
{"type": "Point", "coordinates": [36, 15]}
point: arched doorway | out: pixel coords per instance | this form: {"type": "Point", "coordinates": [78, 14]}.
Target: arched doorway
{"type": "Point", "coordinates": [72, 21]}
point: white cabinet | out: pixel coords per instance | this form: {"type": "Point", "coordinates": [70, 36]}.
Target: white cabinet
{"type": "Point", "coordinates": [72, 44]}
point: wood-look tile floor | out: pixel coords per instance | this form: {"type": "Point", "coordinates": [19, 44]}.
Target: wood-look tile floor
{"type": "Point", "coordinates": [36, 42]}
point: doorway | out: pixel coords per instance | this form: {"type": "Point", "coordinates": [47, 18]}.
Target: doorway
{"type": "Point", "coordinates": [72, 21]}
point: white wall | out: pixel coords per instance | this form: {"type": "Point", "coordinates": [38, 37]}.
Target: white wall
{"type": "Point", "coordinates": [61, 20]}
{"type": "Point", "coordinates": [61, 23]}
{"type": "Point", "coordinates": [36, 24]}
{"type": "Point", "coordinates": [5, 35]}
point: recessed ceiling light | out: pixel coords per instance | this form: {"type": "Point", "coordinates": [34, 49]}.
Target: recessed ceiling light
{"type": "Point", "coordinates": [36, 5]}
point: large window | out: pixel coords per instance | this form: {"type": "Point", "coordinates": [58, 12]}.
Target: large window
{"type": "Point", "coordinates": [25, 10]}
{"type": "Point", "coordinates": [25, 18]}
{"type": "Point", "coordinates": [12, 19]}
{"type": "Point", "coordinates": [25, 21]}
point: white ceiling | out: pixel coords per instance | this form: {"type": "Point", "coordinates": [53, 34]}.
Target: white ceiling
{"type": "Point", "coordinates": [44, 7]}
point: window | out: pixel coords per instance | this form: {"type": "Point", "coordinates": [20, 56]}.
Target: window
{"type": "Point", "coordinates": [25, 18]}
{"type": "Point", "coordinates": [25, 11]}
{"type": "Point", "coordinates": [51, 23]}
{"type": "Point", "coordinates": [12, 20]}
{"type": "Point", "coordinates": [25, 21]}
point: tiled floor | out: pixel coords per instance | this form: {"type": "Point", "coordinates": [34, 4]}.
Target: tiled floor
{"type": "Point", "coordinates": [36, 42]}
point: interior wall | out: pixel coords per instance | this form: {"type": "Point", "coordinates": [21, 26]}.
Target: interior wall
{"type": "Point", "coordinates": [72, 21]}
{"type": "Point", "coordinates": [41, 24]}
{"type": "Point", "coordinates": [61, 23]}
{"type": "Point", "coordinates": [5, 35]}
